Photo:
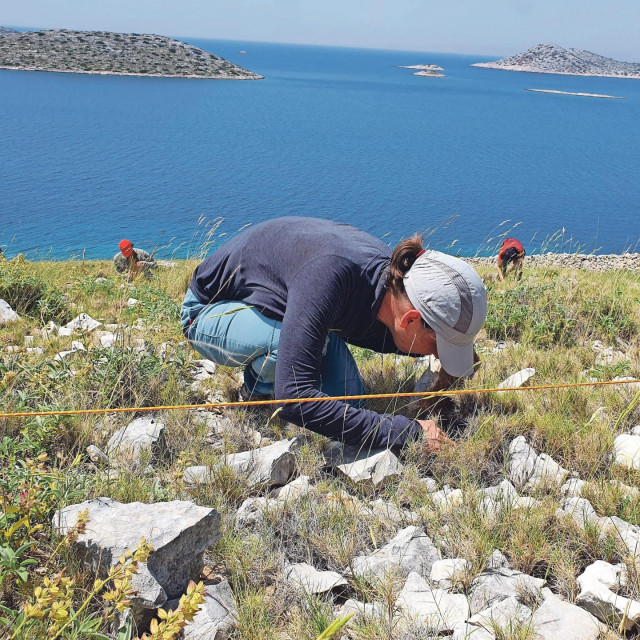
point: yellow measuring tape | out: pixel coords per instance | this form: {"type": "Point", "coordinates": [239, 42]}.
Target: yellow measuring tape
{"type": "Point", "coordinates": [364, 396]}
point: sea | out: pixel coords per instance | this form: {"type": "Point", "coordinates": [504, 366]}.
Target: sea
{"type": "Point", "coordinates": [180, 165]}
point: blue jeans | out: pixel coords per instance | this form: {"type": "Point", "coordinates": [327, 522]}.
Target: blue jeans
{"type": "Point", "coordinates": [234, 334]}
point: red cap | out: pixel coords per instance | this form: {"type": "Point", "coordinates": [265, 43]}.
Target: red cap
{"type": "Point", "coordinates": [126, 248]}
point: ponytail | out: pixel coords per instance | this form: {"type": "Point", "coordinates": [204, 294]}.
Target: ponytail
{"type": "Point", "coordinates": [402, 259]}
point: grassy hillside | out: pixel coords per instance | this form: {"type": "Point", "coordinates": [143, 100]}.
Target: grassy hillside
{"type": "Point", "coordinates": [549, 321]}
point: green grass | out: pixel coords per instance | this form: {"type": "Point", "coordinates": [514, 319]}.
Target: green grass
{"type": "Point", "coordinates": [549, 320]}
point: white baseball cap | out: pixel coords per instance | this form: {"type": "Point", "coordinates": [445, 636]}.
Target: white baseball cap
{"type": "Point", "coordinates": [452, 300]}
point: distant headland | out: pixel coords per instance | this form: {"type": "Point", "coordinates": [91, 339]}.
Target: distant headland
{"type": "Point", "coordinates": [550, 58]}
{"type": "Point", "coordinates": [104, 52]}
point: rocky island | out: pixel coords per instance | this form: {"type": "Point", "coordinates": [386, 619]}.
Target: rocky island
{"type": "Point", "coordinates": [550, 58]}
{"type": "Point", "coordinates": [425, 70]}
{"type": "Point", "coordinates": [104, 52]}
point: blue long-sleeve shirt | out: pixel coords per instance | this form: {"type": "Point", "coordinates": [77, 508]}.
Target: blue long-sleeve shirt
{"type": "Point", "coordinates": [314, 276]}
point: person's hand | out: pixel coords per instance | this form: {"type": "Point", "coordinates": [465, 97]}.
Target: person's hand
{"type": "Point", "coordinates": [434, 437]}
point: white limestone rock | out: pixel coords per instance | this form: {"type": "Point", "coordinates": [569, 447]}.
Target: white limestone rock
{"type": "Point", "coordinates": [497, 560]}
{"type": "Point", "coordinates": [504, 616]}
{"type": "Point", "coordinates": [546, 472]}
{"type": "Point", "coordinates": [7, 314]}
{"type": "Point", "coordinates": [517, 379]}
{"type": "Point", "coordinates": [217, 616]}
{"type": "Point", "coordinates": [369, 470]}
{"type": "Point", "coordinates": [310, 580]}
{"type": "Point", "coordinates": [572, 488]}
{"type": "Point", "coordinates": [76, 346]}
{"type": "Point", "coordinates": [37, 350]}
{"type": "Point", "coordinates": [531, 471]}
{"type": "Point", "coordinates": [83, 322]}
{"type": "Point", "coordinates": [28, 340]}
{"type": "Point", "coordinates": [410, 550]}
{"type": "Point", "coordinates": [137, 443]}
{"type": "Point", "coordinates": [96, 455]}
{"type": "Point", "coordinates": [132, 302]}
{"type": "Point", "coordinates": [522, 461]}
{"type": "Point", "coordinates": [292, 491]}
{"type": "Point", "coordinates": [251, 513]}
{"type": "Point", "coordinates": [598, 585]}
{"type": "Point", "coordinates": [430, 484]}
{"type": "Point", "coordinates": [492, 500]}
{"type": "Point", "coordinates": [580, 511]}
{"type": "Point", "coordinates": [447, 498]}
{"type": "Point", "coordinates": [556, 619]}
{"type": "Point", "coordinates": [420, 603]}
{"type": "Point", "coordinates": [610, 356]}
{"type": "Point", "coordinates": [494, 585]}
{"type": "Point", "coordinates": [447, 573]}
{"type": "Point", "coordinates": [626, 451]}
{"type": "Point", "coordinates": [179, 532]}
{"type": "Point", "coordinates": [361, 610]}
{"type": "Point", "coordinates": [108, 339]}
{"type": "Point", "coordinates": [206, 365]}
{"type": "Point", "coordinates": [392, 513]}
{"type": "Point", "coordinates": [268, 466]}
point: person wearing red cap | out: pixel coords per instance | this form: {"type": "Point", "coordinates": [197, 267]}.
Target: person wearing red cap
{"type": "Point", "coordinates": [132, 260]}
{"type": "Point", "coordinates": [512, 252]}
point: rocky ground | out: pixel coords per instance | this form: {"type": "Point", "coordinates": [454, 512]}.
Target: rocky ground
{"type": "Point", "coordinates": [550, 58]}
{"type": "Point", "coordinates": [528, 527]}
{"type": "Point", "coordinates": [590, 262]}
{"type": "Point", "coordinates": [113, 53]}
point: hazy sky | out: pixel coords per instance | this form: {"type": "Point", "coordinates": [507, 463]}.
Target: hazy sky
{"type": "Point", "coordinates": [491, 27]}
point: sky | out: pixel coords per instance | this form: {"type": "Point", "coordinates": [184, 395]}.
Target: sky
{"type": "Point", "coordinates": [488, 27]}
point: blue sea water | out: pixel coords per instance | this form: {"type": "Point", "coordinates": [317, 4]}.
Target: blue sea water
{"type": "Point", "coordinates": [87, 160]}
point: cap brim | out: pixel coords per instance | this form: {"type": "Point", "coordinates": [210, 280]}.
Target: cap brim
{"type": "Point", "coordinates": [456, 359]}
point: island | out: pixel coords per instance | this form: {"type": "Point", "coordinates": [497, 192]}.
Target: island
{"type": "Point", "coordinates": [573, 93]}
{"type": "Point", "coordinates": [551, 58]}
{"type": "Point", "coordinates": [104, 52]}
{"type": "Point", "coordinates": [424, 70]}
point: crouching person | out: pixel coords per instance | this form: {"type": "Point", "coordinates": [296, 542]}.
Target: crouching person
{"type": "Point", "coordinates": [284, 298]}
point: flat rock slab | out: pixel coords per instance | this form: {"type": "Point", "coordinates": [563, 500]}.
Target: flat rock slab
{"type": "Point", "coordinates": [368, 470]}
{"type": "Point", "coordinates": [419, 603]}
{"type": "Point", "coordinates": [494, 585]}
{"type": "Point", "coordinates": [83, 322]}
{"type": "Point", "coordinates": [504, 617]}
{"type": "Point", "coordinates": [556, 619]}
{"type": "Point", "coordinates": [310, 580]}
{"type": "Point", "coordinates": [410, 550]}
{"type": "Point", "coordinates": [517, 379]}
{"type": "Point", "coordinates": [178, 531]}
{"type": "Point", "coordinates": [217, 616]}
{"type": "Point", "coordinates": [137, 443]}
{"type": "Point", "coordinates": [7, 314]}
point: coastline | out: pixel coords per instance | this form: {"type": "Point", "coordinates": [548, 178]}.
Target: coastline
{"type": "Point", "coordinates": [137, 75]}
{"type": "Point", "coordinates": [573, 93]}
{"type": "Point", "coordinates": [523, 69]}
{"type": "Point", "coordinates": [589, 262]}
